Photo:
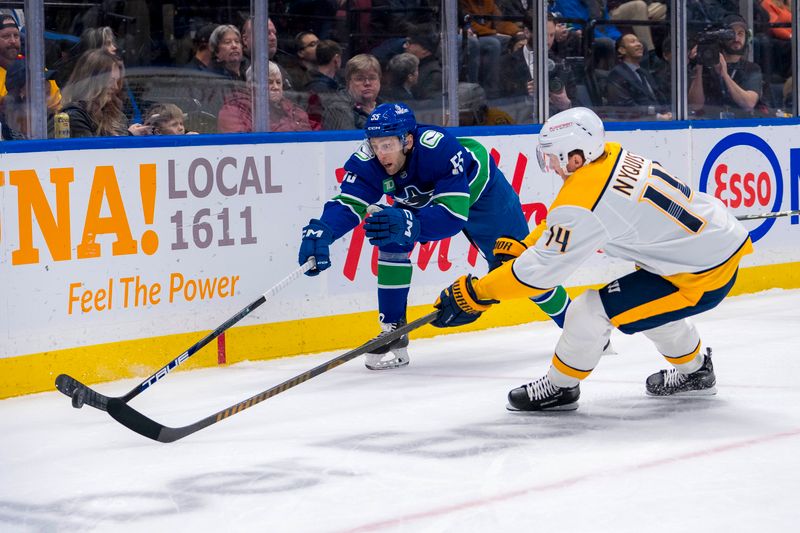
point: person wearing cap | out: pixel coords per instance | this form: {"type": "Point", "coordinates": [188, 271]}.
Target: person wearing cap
{"type": "Point", "coordinates": [14, 107]}
{"type": "Point", "coordinates": [732, 87]}
{"type": "Point", "coordinates": [440, 186]}
{"type": "Point", "coordinates": [10, 48]}
{"type": "Point", "coordinates": [473, 109]}
{"type": "Point", "coordinates": [202, 59]}
{"type": "Point", "coordinates": [686, 247]}
{"type": "Point", "coordinates": [423, 42]}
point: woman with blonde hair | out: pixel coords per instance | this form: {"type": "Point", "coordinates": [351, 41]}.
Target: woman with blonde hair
{"type": "Point", "coordinates": [92, 97]}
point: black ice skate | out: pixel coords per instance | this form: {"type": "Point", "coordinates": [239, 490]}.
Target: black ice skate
{"type": "Point", "coordinates": [392, 355]}
{"type": "Point", "coordinates": [673, 383]}
{"type": "Point", "coordinates": [542, 395]}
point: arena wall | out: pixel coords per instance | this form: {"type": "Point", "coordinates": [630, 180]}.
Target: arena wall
{"type": "Point", "coordinates": [117, 256]}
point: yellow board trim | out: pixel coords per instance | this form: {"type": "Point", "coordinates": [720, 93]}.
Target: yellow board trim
{"type": "Point", "coordinates": [33, 373]}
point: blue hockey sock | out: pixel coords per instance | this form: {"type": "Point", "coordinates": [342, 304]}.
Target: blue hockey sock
{"type": "Point", "coordinates": [394, 282]}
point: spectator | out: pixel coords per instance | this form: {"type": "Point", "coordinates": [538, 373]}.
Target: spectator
{"type": "Point", "coordinates": [202, 59]}
{"type": "Point", "coordinates": [423, 42]}
{"type": "Point", "coordinates": [247, 43]}
{"type": "Point", "coordinates": [9, 52]}
{"type": "Point", "coordinates": [236, 115]}
{"type": "Point", "coordinates": [518, 70]}
{"type": "Point", "coordinates": [492, 37]}
{"type": "Point", "coordinates": [305, 60]}
{"type": "Point", "coordinates": [631, 86]}
{"type": "Point", "coordinates": [473, 109]}
{"type": "Point", "coordinates": [226, 51]}
{"type": "Point", "coordinates": [284, 115]}
{"type": "Point", "coordinates": [402, 75]}
{"type": "Point", "coordinates": [92, 98]}
{"type": "Point", "coordinates": [349, 109]}
{"type": "Point", "coordinates": [732, 86]}
{"type": "Point", "coordinates": [779, 11]}
{"type": "Point", "coordinates": [13, 108]}
{"type": "Point", "coordinates": [638, 10]}
{"type": "Point", "coordinates": [325, 78]}
{"type": "Point", "coordinates": [166, 119]}
{"type": "Point", "coordinates": [91, 39]}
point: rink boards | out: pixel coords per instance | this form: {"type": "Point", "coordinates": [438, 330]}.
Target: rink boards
{"type": "Point", "coordinates": [116, 257]}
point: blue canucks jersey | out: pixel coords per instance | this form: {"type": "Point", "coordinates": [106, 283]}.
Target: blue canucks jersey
{"type": "Point", "coordinates": [442, 178]}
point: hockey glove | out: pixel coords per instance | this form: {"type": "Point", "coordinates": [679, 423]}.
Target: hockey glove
{"type": "Point", "coordinates": [508, 248]}
{"type": "Point", "coordinates": [392, 226]}
{"type": "Point", "coordinates": [458, 304]}
{"type": "Point", "coordinates": [317, 237]}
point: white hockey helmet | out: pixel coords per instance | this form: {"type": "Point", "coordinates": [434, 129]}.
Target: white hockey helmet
{"type": "Point", "coordinates": [577, 128]}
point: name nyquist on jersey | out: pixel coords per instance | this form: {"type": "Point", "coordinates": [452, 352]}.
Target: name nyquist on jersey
{"type": "Point", "coordinates": [442, 178]}
{"type": "Point", "coordinates": [631, 208]}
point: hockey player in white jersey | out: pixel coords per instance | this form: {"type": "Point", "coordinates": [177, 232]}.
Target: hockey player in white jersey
{"type": "Point", "coordinates": [685, 244]}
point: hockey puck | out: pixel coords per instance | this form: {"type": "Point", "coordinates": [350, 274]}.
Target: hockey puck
{"type": "Point", "coordinates": [78, 396]}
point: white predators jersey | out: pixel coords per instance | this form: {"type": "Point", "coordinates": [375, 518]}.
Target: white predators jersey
{"type": "Point", "coordinates": [630, 208]}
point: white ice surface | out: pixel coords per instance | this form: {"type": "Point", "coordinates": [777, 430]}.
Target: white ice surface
{"type": "Point", "coordinates": [431, 447]}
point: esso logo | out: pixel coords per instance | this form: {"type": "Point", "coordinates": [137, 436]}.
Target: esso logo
{"type": "Point", "coordinates": [743, 172]}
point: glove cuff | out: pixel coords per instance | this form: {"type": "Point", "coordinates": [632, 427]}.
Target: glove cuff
{"type": "Point", "coordinates": [465, 297]}
{"type": "Point", "coordinates": [508, 246]}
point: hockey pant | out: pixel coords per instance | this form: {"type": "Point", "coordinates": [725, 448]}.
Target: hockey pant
{"type": "Point", "coordinates": [638, 302]}
{"type": "Point", "coordinates": [497, 213]}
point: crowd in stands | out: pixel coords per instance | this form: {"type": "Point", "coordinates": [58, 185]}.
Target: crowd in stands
{"type": "Point", "coordinates": [332, 61]}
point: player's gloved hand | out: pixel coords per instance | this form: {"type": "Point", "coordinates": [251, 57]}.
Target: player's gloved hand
{"type": "Point", "coordinates": [317, 238]}
{"type": "Point", "coordinates": [458, 304]}
{"type": "Point", "coordinates": [392, 225]}
{"type": "Point", "coordinates": [508, 248]}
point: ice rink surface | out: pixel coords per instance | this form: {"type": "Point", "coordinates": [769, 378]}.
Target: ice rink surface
{"type": "Point", "coordinates": [431, 447]}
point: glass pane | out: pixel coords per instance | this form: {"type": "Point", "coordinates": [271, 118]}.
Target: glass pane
{"type": "Point", "coordinates": [739, 63]}
{"type": "Point", "coordinates": [620, 54]}
{"type": "Point", "coordinates": [14, 108]}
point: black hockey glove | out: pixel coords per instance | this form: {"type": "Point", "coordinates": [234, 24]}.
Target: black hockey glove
{"type": "Point", "coordinates": [317, 238]}
{"type": "Point", "coordinates": [392, 225]}
{"type": "Point", "coordinates": [458, 304]}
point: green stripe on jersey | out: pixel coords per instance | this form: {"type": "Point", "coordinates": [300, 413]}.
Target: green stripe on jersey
{"type": "Point", "coordinates": [457, 203]}
{"type": "Point", "coordinates": [481, 178]}
{"type": "Point", "coordinates": [394, 275]}
{"type": "Point", "coordinates": [356, 205]}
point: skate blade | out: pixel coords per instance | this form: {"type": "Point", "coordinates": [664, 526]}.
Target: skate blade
{"type": "Point", "coordinates": [387, 365]}
{"type": "Point", "coordinates": [566, 407]}
{"type": "Point", "coordinates": [686, 394]}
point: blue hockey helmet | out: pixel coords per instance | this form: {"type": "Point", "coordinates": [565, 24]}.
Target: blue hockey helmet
{"type": "Point", "coordinates": [390, 120]}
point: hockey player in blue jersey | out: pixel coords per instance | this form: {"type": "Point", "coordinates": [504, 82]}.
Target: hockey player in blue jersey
{"type": "Point", "coordinates": [441, 186]}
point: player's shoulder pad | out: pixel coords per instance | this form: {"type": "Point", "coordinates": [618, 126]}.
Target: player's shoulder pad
{"type": "Point", "coordinates": [587, 184]}
{"type": "Point", "coordinates": [432, 137]}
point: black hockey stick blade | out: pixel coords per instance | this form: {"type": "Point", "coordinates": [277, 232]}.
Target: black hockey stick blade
{"type": "Point", "coordinates": [136, 421]}
{"type": "Point", "coordinates": [82, 394]}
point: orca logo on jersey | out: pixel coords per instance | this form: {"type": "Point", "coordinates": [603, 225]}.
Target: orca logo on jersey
{"type": "Point", "coordinates": [743, 171]}
{"type": "Point", "coordinates": [413, 197]}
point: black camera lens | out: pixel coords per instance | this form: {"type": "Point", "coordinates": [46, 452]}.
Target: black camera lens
{"type": "Point", "coordinates": [555, 85]}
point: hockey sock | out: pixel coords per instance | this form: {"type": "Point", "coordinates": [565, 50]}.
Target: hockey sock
{"type": "Point", "coordinates": [555, 303]}
{"type": "Point", "coordinates": [394, 282]}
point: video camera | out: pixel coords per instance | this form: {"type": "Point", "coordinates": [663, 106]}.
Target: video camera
{"type": "Point", "coordinates": [709, 43]}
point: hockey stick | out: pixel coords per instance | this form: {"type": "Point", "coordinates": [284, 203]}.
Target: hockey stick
{"type": "Point", "coordinates": [772, 214]}
{"type": "Point", "coordinates": [136, 421]}
{"type": "Point", "coordinates": [81, 394]}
